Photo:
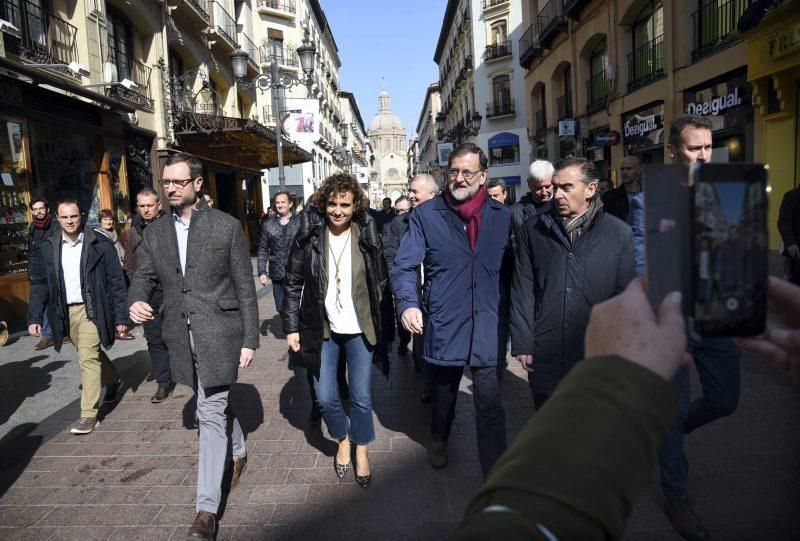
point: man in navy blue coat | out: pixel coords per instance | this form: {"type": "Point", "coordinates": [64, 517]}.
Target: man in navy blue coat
{"type": "Point", "coordinates": [462, 239]}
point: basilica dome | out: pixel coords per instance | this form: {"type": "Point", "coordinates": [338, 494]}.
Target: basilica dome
{"type": "Point", "coordinates": [385, 120]}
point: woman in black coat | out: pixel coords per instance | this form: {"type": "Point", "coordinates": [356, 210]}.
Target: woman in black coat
{"type": "Point", "coordinates": [336, 278]}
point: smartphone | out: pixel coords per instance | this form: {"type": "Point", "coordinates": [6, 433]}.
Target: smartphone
{"type": "Point", "coordinates": [729, 249]}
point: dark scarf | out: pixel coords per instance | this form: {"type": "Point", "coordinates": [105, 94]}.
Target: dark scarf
{"type": "Point", "coordinates": [469, 211]}
{"type": "Point", "coordinates": [43, 223]}
{"type": "Point", "coordinates": [575, 226]}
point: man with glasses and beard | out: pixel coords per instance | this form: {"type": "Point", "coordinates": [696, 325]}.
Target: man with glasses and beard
{"type": "Point", "coordinates": [210, 318]}
{"type": "Point", "coordinates": [462, 240]}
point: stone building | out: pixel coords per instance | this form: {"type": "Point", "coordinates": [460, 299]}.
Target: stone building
{"type": "Point", "coordinates": [388, 138]}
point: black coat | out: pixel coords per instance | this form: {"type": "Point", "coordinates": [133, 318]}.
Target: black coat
{"type": "Point", "coordinates": [102, 283]}
{"type": "Point", "coordinates": [396, 231]}
{"type": "Point", "coordinates": [556, 285]}
{"type": "Point", "coordinates": [789, 218]}
{"type": "Point", "coordinates": [36, 236]}
{"type": "Point", "coordinates": [526, 208]}
{"type": "Point", "coordinates": [274, 244]}
{"type": "Point", "coordinates": [306, 284]}
{"type": "Point", "coordinates": [615, 203]}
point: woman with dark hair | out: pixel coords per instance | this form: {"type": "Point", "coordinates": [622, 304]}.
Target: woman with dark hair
{"type": "Point", "coordinates": [336, 278]}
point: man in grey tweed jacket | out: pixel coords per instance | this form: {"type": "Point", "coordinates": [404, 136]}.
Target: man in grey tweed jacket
{"type": "Point", "coordinates": [210, 317]}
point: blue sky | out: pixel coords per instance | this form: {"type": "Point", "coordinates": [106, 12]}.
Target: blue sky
{"type": "Point", "coordinates": [395, 40]}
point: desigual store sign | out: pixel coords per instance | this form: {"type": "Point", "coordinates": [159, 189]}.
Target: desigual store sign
{"type": "Point", "coordinates": [644, 128]}
{"type": "Point", "coordinates": [727, 101]}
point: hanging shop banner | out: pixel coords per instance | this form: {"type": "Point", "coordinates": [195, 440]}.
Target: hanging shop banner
{"type": "Point", "coordinates": [727, 101]}
{"type": "Point", "coordinates": [302, 124]}
{"type": "Point", "coordinates": [443, 151]}
{"type": "Point", "coordinates": [643, 128]}
{"type": "Point", "coordinates": [606, 138]}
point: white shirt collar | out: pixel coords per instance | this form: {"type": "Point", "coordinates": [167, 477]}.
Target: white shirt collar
{"type": "Point", "coordinates": [64, 239]}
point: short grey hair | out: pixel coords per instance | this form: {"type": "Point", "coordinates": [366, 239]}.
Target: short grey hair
{"type": "Point", "coordinates": [540, 170]}
{"type": "Point", "coordinates": [429, 182]}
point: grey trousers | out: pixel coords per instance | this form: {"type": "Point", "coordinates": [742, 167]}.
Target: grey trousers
{"type": "Point", "coordinates": [212, 403]}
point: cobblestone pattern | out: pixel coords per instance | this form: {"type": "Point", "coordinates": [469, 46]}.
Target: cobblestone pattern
{"type": "Point", "coordinates": [134, 477]}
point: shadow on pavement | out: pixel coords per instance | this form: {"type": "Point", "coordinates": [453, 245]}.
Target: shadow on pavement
{"type": "Point", "coordinates": [20, 380]}
{"type": "Point", "coordinates": [273, 326]}
{"type": "Point", "coordinates": [295, 405]}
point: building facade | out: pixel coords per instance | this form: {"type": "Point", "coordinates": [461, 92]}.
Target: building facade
{"type": "Point", "coordinates": [482, 86]}
{"type": "Point", "coordinates": [426, 158]}
{"type": "Point", "coordinates": [388, 138]}
{"type": "Point", "coordinates": [604, 79]}
{"type": "Point", "coordinates": [96, 94]}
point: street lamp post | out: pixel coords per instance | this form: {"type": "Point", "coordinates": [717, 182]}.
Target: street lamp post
{"type": "Point", "coordinates": [276, 81]}
{"type": "Point", "coordinates": [343, 154]}
{"type": "Point", "coordinates": [460, 131]}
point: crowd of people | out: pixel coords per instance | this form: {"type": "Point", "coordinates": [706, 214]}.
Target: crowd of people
{"type": "Point", "coordinates": [454, 275]}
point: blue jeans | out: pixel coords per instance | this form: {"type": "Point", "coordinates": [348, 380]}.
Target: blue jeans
{"type": "Point", "coordinates": [358, 354]}
{"type": "Point", "coordinates": [277, 294]}
{"type": "Point", "coordinates": [717, 363]}
{"type": "Point", "coordinates": [47, 331]}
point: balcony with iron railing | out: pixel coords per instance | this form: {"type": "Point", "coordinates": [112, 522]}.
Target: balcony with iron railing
{"type": "Point", "coordinates": [572, 8]}
{"type": "Point", "coordinates": [287, 58]}
{"type": "Point", "coordinates": [133, 70]}
{"type": "Point", "coordinates": [646, 64]}
{"type": "Point", "coordinates": [496, 51]}
{"type": "Point", "coordinates": [503, 106]}
{"type": "Point", "coordinates": [564, 105]}
{"type": "Point", "coordinates": [529, 46]}
{"type": "Point", "coordinates": [250, 48]}
{"type": "Point", "coordinates": [714, 26]}
{"type": "Point", "coordinates": [286, 9]}
{"type": "Point", "coordinates": [553, 21]}
{"type": "Point", "coordinates": [490, 4]}
{"type": "Point", "coordinates": [597, 90]}
{"type": "Point", "coordinates": [540, 119]}
{"type": "Point", "coordinates": [43, 38]}
{"type": "Point", "coordinates": [224, 26]}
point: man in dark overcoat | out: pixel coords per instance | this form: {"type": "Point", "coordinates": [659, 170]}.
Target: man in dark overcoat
{"type": "Point", "coordinates": [566, 262]}
{"type": "Point", "coordinates": [210, 317]}
{"type": "Point", "coordinates": [463, 242]}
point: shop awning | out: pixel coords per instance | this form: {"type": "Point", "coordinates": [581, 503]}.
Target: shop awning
{"type": "Point", "coordinates": [511, 180]}
{"type": "Point", "coordinates": [503, 139]}
{"type": "Point", "coordinates": [237, 142]}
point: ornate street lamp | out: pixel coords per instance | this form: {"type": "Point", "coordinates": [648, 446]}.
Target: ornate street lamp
{"type": "Point", "coordinates": [460, 131]}
{"type": "Point", "coordinates": [276, 81]}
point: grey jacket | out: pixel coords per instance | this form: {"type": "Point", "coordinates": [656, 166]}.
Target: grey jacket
{"type": "Point", "coordinates": [217, 294]}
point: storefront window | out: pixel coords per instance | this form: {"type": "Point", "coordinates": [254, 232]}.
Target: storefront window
{"type": "Point", "coordinates": [14, 197]}
{"type": "Point", "coordinates": [64, 167]}
{"type": "Point", "coordinates": [504, 149]}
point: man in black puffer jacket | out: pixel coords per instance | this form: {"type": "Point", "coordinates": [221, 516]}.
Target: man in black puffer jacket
{"type": "Point", "coordinates": [583, 256]}
{"type": "Point", "coordinates": [277, 234]}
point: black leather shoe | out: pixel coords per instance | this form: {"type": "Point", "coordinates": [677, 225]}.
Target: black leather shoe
{"type": "Point", "coordinates": [341, 469]}
{"type": "Point", "coordinates": [437, 454]}
{"type": "Point", "coordinates": [204, 527]}
{"type": "Point", "coordinates": [685, 521]}
{"type": "Point", "coordinates": [161, 394]}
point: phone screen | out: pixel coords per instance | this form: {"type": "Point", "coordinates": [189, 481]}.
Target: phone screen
{"type": "Point", "coordinates": [730, 250]}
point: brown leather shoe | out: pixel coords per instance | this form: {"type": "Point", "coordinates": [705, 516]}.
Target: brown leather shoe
{"type": "Point", "coordinates": [161, 394]}
{"type": "Point", "coordinates": [685, 521]}
{"type": "Point", "coordinates": [44, 343]}
{"type": "Point", "coordinates": [437, 454]}
{"type": "Point", "coordinates": [238, 467]}
{"type": "Point", "coordinates": [204, 527]}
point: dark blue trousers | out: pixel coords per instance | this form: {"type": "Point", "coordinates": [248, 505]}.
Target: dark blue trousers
{"type": "Point", "coordinates": [717, 363]}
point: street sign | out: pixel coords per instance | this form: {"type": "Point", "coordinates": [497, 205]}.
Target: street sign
{"type": "Point", "coordinates": [568, 127]}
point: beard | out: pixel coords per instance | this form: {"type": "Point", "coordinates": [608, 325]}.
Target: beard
{"type": "Point", "coordinates": [188, 199]}
{"type": "Point", "coordinates": [464, 192]}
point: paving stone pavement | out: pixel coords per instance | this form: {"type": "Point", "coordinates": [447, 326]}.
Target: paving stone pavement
{"type": "Point", "coordinates": [134, 477]}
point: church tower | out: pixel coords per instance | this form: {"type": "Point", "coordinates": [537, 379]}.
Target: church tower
{"type": "Point", "coordinates": [388, 138]}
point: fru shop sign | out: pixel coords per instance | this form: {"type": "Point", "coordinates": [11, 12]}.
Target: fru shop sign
{"type": "Point", "coordinates": [715, 105]}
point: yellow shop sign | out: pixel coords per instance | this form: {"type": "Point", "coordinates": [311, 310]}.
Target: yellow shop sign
{"type": "Point", "coordinates": [784, 42]}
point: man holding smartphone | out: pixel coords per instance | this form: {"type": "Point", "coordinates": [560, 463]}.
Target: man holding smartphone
{"type": "Point", "coordinates": [716, 359]}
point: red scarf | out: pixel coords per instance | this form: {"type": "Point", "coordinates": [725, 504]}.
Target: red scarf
{"type": "Point", "coordinates": [43, 223]}
{"type": "Point", "coordinates": [469, 211]}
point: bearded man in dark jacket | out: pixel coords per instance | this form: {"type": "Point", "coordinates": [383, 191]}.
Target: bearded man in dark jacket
{"type": "Point", "coordinates": [41, 228]}
{"type": "Point", "coordinates": [583, 256]}
{"type": "Point", "coordinates": [148, 207]}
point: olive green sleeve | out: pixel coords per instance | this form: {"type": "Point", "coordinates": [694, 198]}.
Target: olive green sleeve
{"type": "Point", "coordinates": [578, 466]}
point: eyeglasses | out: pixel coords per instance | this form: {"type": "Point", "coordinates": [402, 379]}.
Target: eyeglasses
{"type": "Point", "coordinates": [179, 183]}
{"type": "Point", "coordinates": [466, 173]}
